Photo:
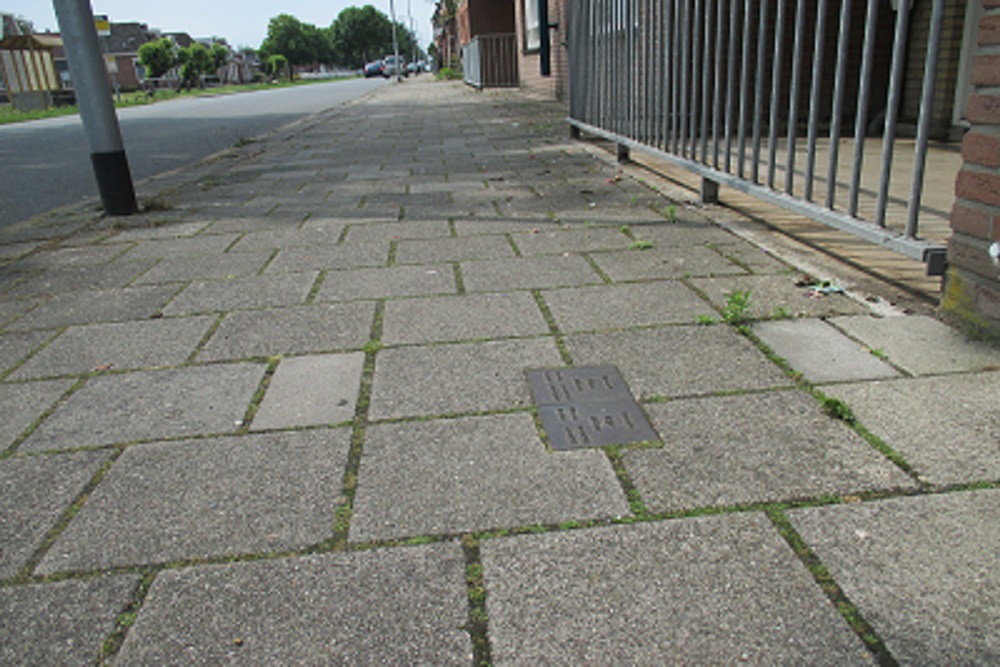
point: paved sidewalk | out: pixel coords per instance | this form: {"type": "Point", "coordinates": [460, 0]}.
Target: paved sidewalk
{"type": "Point", "coordinates": [289, 419]}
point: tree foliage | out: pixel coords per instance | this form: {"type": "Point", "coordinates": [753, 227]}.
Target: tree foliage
{"type": "Point", "coordinates": [195, 60]}
{"type": "Point", "coordinates": [301, 43]}
{"type": "Point", "coordinates": [355, 37]}
{"type": "Point", "coordinates": [158, 57]}
{"type": "Point", "coordinates": [220, 56]}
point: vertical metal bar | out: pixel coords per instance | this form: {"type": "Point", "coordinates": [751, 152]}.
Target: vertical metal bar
{"type": "Point", "coordinates": [696, 70]}
{"type": "Point", "coordinates": [706, 79]}
{"type": "Point", "coordinates": [772, 139]}
{"type": "Point", "coordinates": [744, 88]}
{"type": "Point", "coordinates": [793, 97]}
{"type": "Point", "coordinates": [843, 39]}
{"type": "Point", "coordinates": [817, 76]}
{"type": "Point", "coordinates": [758, 95]}
{"type": "Point", "coordinates": [675, 83]}
{"type": "Point", "coordinates": [660, 80]}
{"type": "Point", "coordinates": [892, 110]}
{"type": "Point", "coordinates": [923, 125]}
{"type": "Point", "coordinates": [717, 111]}
{"type": "Point", "coordinates": [734, 10]}
{"type": "Point", "coordinates": [864, 97]}
{"type": "Point", "coordinates": [685, 64]}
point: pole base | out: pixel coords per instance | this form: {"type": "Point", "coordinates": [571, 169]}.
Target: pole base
{"type": "Point", "coordinates": [114, 181]}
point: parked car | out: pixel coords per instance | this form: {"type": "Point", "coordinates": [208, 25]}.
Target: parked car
{"type": "Point", "coordinates": [374, 68]}
{"type": "Point", "coordinates": [391, 66]}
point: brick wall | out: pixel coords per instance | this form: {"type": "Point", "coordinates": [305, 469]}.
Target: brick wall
{"type": "Point", "coordinates": [555, 86]}
{"type": "Point", "coordinates": [972, 287]}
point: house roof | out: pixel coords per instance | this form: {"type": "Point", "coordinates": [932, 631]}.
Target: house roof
{"type": "Point", "coordinates": [128, 37]}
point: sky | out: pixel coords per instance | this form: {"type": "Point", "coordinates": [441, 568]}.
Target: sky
{"type": "Point", "coordinates": [242, 23]}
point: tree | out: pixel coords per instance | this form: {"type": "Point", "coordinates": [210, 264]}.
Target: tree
{"type": "Point", "coordinates": [277, 65]}
{"type": "Point", "coordinates": [301, 43]}
{"type": "Point", "coordinates": [158, 57]}
{"type": "Point", "coordinates": [195, 60]}
{"type": "Point", "coordinates": [220, 56]}
{"type": "Point", "coordinates": [361, 35]}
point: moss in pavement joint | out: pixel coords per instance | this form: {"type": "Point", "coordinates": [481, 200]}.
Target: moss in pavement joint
{"type": "Point", "coordinates": [825, 580]}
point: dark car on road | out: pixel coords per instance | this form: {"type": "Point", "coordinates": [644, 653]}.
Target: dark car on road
{"type": "Point", "coordinates": [374, 68]}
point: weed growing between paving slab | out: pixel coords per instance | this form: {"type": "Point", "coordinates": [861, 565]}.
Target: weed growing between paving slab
{"type": "Point", "coordinates": [478, 624]}
{"type": "Point", "coordinates": [635, 503]}
{"type": "Point", "coordinates": [67, 516]}
{"type": "Point", "coordinates": [848, 610]}
{"type": "Point", "coordinates": [126, 619]}
{"type": "Point", "coordinates": [345, 509]}
{"type": "Point", "coordinates": [10, 451]}
{"type": "Point", "coordinates": [553, 327]}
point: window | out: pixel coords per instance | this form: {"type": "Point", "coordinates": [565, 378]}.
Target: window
{"type": "Point", "coordinates": [532, 26]}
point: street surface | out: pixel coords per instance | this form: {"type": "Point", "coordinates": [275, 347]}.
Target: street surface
{"type": "Point", "coordinates": [46, 163]}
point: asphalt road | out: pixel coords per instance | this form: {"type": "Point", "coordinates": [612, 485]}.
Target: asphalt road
{"type": "Point", "coordinates": [46, 163]}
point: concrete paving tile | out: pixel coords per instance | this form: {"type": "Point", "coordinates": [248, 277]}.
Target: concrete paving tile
{"type": "Point", "coordinates": [921, 570]}
{"type": "Point", "coordinates": [452, 379]}
{"type": "Point", "coordinates": [686, 231]}
{"type": "Point", "coordinates": [13, 251]}
{"type": "Point", "coordinates": [820, 352]}
{"type": "Point", "coordinates": [663, 263]}
{"type": "Point", "coordinates": [16, 346]}
{"type": "Point", "coordinates": [300, 330]}
{"type": "Point", "coordinates": [710, 590]}
{"type": "Point", "coordinates": [71, 256]}
{"type": "Point", "coordinates": [393, 607]}
{"type": "Point", "coordinates": [548, 241]}
{"type": "Point", "coordinates": [118, 346]}
{"type": "Point", "coordinates": [36, 492]}
{"type": "Point", "coordinates": [311, 391]}
{"type": "Point", "coordinates": [194, 267]}
{"type": "Point", "coordinates": [92, 306]}
{"type": "Point", "coordinates": [328, 234]}
{"type": "Point", "coordinates": [628, 305]}
{"type": "Point", "coordinates": [62, 623]}
{"type": "Point", "coordinates": [269, 291]}
{"type": "Point", "coordinates": [947, 428]}
{"type": "Point", "coordinates": [228, 221]}
{"type": "Point", "coordinates": [21, 404]}
{"type": "Point", "coordinates": [462, 318]}
{"type": "Point", "coordinates": [679, 360]}
{"type": "Point", "coordinates": [430, 251]}
{"type": "Point", "coordinates": [151, 404]}
{"type": "Point", "coordinates": [528, 273]}
{"type": "Point", "coordinates": [164, 228]}
{"type": "Point", "coordinates": [757, 259]}
{"type": "Point", "coordinates": [11, 310]}
{"type": "Point", "coordinates": [474, 227]}
{"type": "Point", "coordinates": [770, 294]}
{"type": "Point", "coordinates": [163, 502]}
{"type": "Point", "coordinates": [754, 448]}
{"type": "Point", "coordinates": [394, 231]}
{"type": "Point", "coordinates": [322, 258]}
{"type": "Point", "coordinates": [208, 244]}
{"type": "Point", "coordinates": [921, 345]}
{"type": "Point", "coordinates": [475, 473]}
{"type": "Point", "coordinates": [79, 278]}
{"type": "Point", "coordinates": [387, 282]}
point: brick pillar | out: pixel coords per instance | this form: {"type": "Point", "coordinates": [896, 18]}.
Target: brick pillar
{"type": "Point", "coordinates": [972, 285]}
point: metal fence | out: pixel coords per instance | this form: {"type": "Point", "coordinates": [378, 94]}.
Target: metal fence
{"type": "Point", "coordinates": [490, 61]}
{"type": "Point", "coordinates": [757, 95]}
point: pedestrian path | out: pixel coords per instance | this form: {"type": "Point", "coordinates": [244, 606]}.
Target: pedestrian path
{"type": "Point", "coordinates": [423, 380]}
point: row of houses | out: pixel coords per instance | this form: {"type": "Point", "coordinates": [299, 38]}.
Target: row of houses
{"type": "Point", "coordinates": [34, 72]}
